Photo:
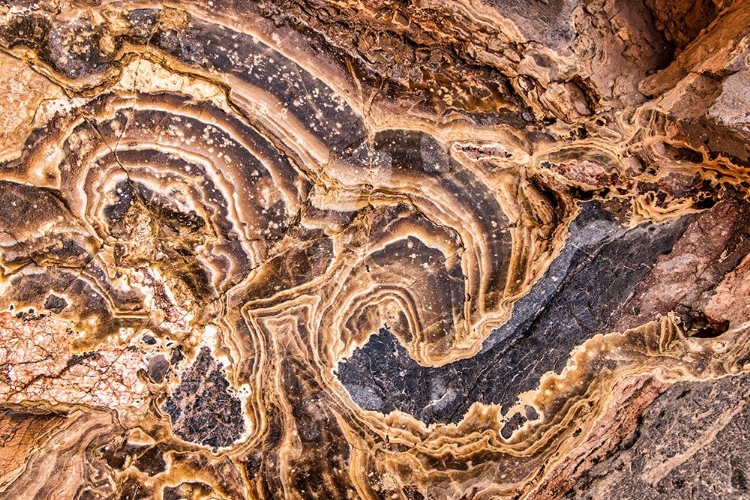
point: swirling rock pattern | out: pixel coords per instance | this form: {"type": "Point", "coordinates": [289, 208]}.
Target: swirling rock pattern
{"type": "Point", "coordinates": [354, 249]}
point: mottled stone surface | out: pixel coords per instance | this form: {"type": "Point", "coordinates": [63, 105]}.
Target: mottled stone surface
{"type": "Point", "coordinates": [201, 408]}
{"type": "Point", "coordinates": [692, 442]}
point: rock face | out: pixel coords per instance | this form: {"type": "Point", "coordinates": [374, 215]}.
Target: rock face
{"type": "Point", "coordinates": [374, 249]}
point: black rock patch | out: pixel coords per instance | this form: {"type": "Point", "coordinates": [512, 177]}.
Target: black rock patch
{"type": "Point", "coordinates": [202, 409]}
{"type": "Point", "coordinates": [55, 304]}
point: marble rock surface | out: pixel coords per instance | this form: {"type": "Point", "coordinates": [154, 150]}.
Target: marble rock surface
{"type": "Point", "coordinates": [377, 249]}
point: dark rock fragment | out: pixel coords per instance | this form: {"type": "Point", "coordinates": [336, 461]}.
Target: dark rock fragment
{"type": "Point", "coordinates": [202, 409]}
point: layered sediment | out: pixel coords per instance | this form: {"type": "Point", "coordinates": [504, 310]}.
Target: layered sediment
{"type": "Point", "coordinates": [354, 249]}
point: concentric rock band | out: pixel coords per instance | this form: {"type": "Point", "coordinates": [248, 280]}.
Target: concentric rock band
{"type": "Point", "coordinates": [312, 249]}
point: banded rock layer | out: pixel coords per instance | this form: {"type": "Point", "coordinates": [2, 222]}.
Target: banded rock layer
{"type": "Point", "coordinates": [308, 249]}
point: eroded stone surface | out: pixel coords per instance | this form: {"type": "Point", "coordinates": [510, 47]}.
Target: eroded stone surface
{"type": "Point", "coordinates": [358, 249]}
{"type": "Point", "coordinates": [691, 431]}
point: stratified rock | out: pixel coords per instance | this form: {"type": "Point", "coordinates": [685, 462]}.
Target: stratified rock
{"type": "Point", "coordinates": [374, 249]}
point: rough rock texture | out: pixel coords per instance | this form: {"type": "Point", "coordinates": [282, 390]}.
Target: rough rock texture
{"type": "Point", "coordinates": [201, 408]}
{"type": "Point", "coordinates": [692, 442]}
{"type": "Point", "coordinates": [374, 249]}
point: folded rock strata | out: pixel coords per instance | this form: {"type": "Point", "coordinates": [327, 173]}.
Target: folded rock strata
{"type": "Point", "coordinates": [357, 249]}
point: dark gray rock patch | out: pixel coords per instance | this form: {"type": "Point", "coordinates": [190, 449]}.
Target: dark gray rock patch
{"type": "Point", "coordinates": [202, 409]}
